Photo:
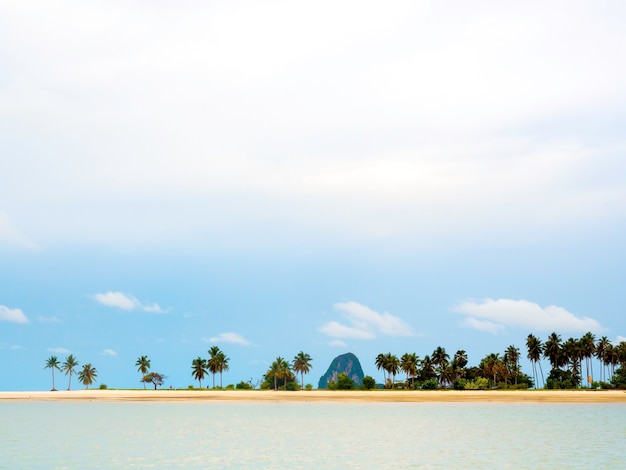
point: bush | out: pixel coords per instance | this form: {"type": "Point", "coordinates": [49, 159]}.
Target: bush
{"type": "Point", "coordinates": [480, 383]}
{"type": "Point", "coordinates": [292, 386]}
{"type": "Point", "coordinates": [343, 383]}
{"type": "Point", "coordinates": [230, 387]}
{"type": "Point", "coordinates": [243, 386]}
{"type": "Point", "coordinates": [308, 387]}
{"type": "Point", "coordinates": [103, 386]}
{"type": "Point", "coordinates": [431, 384]}
{"type": "Point", "coordinates": [368, 382]}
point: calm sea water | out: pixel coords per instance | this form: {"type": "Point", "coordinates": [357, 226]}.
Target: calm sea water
{"type": "Point", "coordinates": [61, 435]}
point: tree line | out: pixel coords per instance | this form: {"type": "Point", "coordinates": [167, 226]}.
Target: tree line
{"type": "Point", "coordinates": [568, 361]}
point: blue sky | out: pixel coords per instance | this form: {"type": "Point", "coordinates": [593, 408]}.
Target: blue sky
{"type": "Point", "coordinates": [273, 177]}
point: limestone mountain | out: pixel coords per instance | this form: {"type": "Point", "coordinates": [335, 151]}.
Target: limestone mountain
{"type": "Point", "coordinates": [348, 364]}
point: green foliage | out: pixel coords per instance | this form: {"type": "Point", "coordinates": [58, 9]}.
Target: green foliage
{"type": "Point", "coordinates": [605, 386]}
{"type": "Point", "coordinates": [243, 386]}
{"type": "Point", "coordinates": [292, 386]}
{"type": "Point", "coordinates": [230, 387]}
{"type": "Point", "coordinates": [308, 387]}
{"type": "Point", "coordinates": [430, 384]}
{"type": "Point", "coordinates": [562, 379]}
{"type": "Point", "coordinates": [479, 383]}
{"type": "Point", "coordinates": [368, 382]}
{"type": "Point", "coordinates": [103, 386]}
{"type": "Point", "coordinates": [619, 378]}
{"type": "Point", "coordinates": [343, 382]}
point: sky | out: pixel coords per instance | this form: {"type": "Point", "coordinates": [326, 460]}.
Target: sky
{"type": "Point", "coordinates": [274, 177]}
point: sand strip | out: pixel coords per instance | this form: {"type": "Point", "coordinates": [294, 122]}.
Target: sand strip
{"type": "Point", "coordinates": [486, 396]}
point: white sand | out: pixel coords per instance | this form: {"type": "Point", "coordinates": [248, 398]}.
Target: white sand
{"type": "Point", "coordinates": [556, 396]}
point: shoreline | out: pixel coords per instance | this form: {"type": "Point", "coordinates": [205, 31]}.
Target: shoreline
{"type": "Point", "coordinates": [374, 396]}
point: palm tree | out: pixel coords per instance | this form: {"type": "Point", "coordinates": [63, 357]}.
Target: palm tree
{"type": "Point", "coordinates": [440, 359]}
{"type": "Point", "coordinates": [459, 361]}
{"type": "Point", "coordinates": [393, 366]}
{"type": "Point", "coordinates": [69, 368]}
{"type": "Point", "coordinates": [511, 360]}
{"type": "Point", "coordinates": [409, 362]}
{"type": "Point", "coordinates": [198, 369]}
{"type": "Point", "coordinates": [588, 346]}
{"type": "Point", "coordinates": [380, 364]}
{"type": "Point", "coordinates": [302, 365]}
{"type": "Point", "coordinates": [553, 350]}
{"type": "Point", "coordinates": [491, 366]}
{"type": "Point", "coordinates": [143, 366]}
{"type": "Point", "coordinates": [222, 364]}
{"type": "Point", "coordinates": [52, 363]}
{"type": "Point", "coordinates": [602, 347]}
{"type": "Point", "coordinates": [88, 375]}
{"type": "Point", "coordinates": [279, 369]}
{"type": "Point", "coordinates": [535, 351]}
{"type": "Point", "coordinates": [428, 369]}
{"type": "Point", "coordinates": [213, 362]}
{"type": "Point", "coordinates": [572, 355]}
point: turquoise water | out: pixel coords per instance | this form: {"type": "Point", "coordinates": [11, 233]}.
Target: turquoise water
{"type": "Point", "coordinates": [62, 435]}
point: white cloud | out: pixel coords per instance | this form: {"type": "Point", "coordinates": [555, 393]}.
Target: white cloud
{"type": "Point", "coordinates": [108, 352]}
{"type": "Point", "coordinates": [495, 316]}
{"type": "Point", "coordinates": [12, 315]}
{"type": "Point", "coordinates": [126, 302]}
{"type": "Point", "coordinates": [620, 339]}
{"type": "Point", "coordinates": [337, 343]}
{"type": "Point", "coordinates": [364, 323]}
{"type": "Point", "coordinates": [337, 330]}
{"type": "Point", "coordinates": [59, 350]}
{"type": "Point", "coordinates": [230, 337]}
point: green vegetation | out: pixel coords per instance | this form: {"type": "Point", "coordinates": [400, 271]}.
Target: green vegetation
{"type": "Point", "coordinates": [302, 365]}
{"type": "Point", "coordinates": [52, 363]}
{"type": "Point", "coordinates": [199, 369]}
{"type": "Point", "coordinates": [571, 367]}
{"type": "Point", "coordinates": [88, 375]}
{"type": "Point", "coordinates": [69, 367]}
{"type": "Point", "coordinates": [143, 366]}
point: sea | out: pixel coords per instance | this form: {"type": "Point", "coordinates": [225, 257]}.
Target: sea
{"type": "Point", "coordinates": [207, 434]}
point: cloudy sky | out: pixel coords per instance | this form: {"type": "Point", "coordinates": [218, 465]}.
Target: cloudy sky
{"type": "Point", "coordinates": [275, 176]}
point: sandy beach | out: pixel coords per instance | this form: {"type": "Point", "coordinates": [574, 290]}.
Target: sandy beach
{"type": "Point", "coordinates": [485, 396]}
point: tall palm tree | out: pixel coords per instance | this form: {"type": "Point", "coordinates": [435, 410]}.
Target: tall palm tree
{"type": "Point", "coordinates": [380, 362]}
{"type": "Point", "coordinates": [409, 363]}
{"type": "Point", "coordinates": [427, 371]}
{"type": "Point", "coordinates": [571, 353]}
{"type": "Point", "coordinates": [198, 369]}
{"type": "Point", "coordinates": [222, 364]}
{"type": "Point", "coordinates": [553, 350]}
{"type": "Point", "coordinates": [588, 346]}
{"type": "Point", "coordinates": [511, 360]}
{"type": "Point", "coordinates": [392, 364]}
{"type": "Point", "coordinates": [440, 359]}
{"type": "Point", "coordinates": [52, 363]}
{"type": "Point", "coordinates": [491, 366]}
{"type": "Point", "coordinates": [88, 375]}
{"type": "Point", "coordinates": [69, 368]}
{"type": "Point", "coordinates": [535, 352]}
{"type": "Point", "coordinates": [302, 365]}
{"type": "Point", "coordinates": [213, 362]}
{"type": "Point", "coordinates": [459, 361]}
{"type": "Point", "coordinates": [279, 369]}
{"type": "Point", "coordinates": [602, 347]}
{"type": "Point", "coordinates": [143, 366]}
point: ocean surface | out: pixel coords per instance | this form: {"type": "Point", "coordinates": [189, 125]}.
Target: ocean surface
{"type": "Point", "coordinates": [63, 435]}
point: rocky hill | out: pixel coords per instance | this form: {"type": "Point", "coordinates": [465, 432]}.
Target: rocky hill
{"type": "Point", "coordinates": [347, 363]}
